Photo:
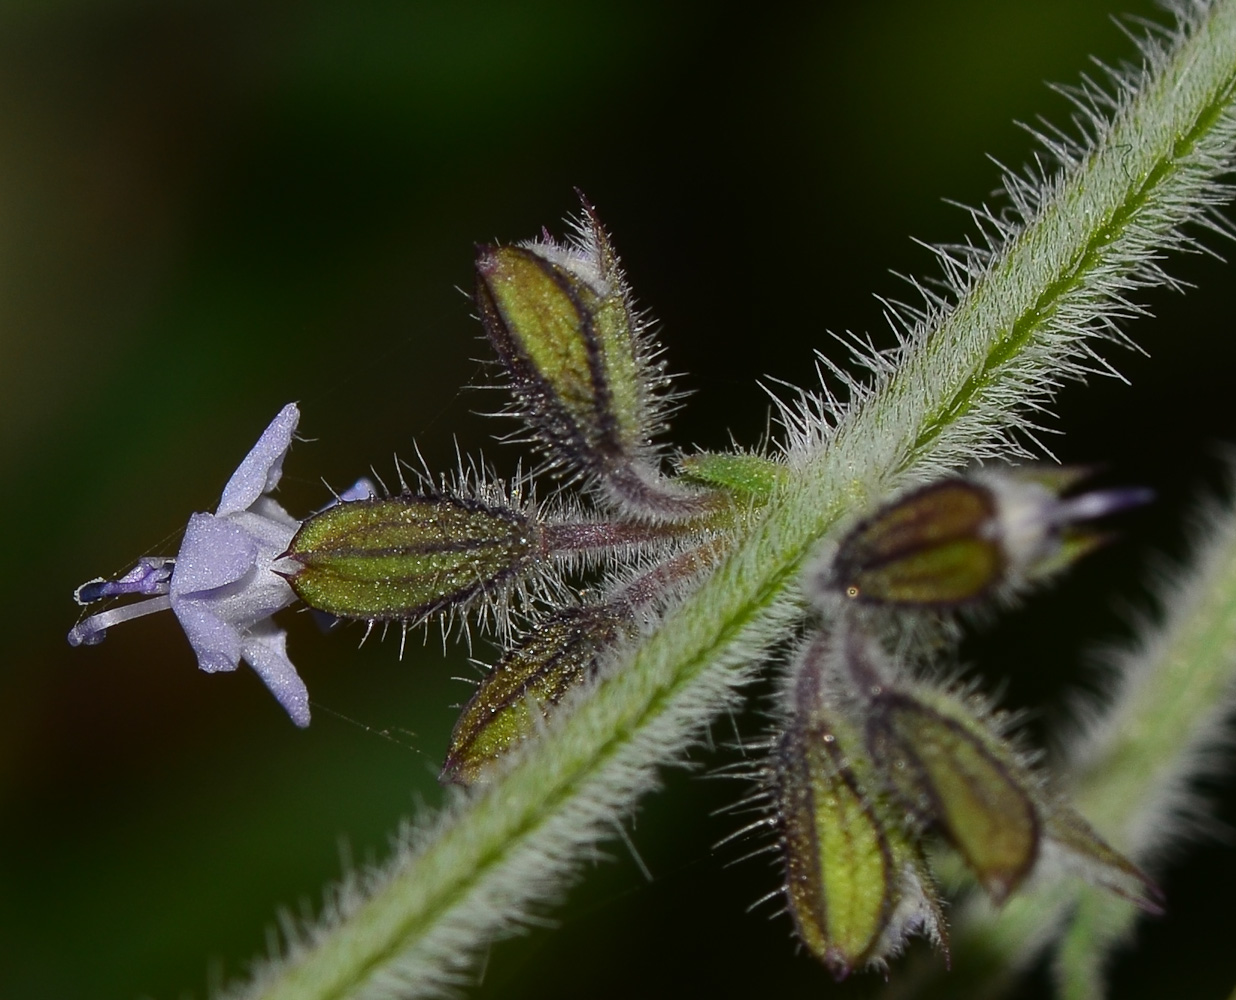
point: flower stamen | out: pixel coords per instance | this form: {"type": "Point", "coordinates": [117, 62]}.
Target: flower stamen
{"type": "Point", "coordinates": [93, 630]}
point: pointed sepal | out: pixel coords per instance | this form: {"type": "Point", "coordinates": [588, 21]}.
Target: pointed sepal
{"type": "Point", "coordinates": [1080, 849]}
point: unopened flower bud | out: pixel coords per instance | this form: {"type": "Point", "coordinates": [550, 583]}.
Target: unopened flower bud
{"type": "Point", "coordinates": [961, 540]}
{"type": "Point", "coordinates": [857, 885]}
{"type": "Point", "coordinates": [954, 777]}
{"type": "Point", "coordinates": [583, 365]}
{"type": "Point", "coordinates": [559, 319]}
{"type": "Point", "coordinates": [409, 556]}
{"type": "Point", "coordinates": [525, 686]}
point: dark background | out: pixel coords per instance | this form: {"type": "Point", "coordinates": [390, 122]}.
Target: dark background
{"type": "Point", "coordinates": [208, 209]}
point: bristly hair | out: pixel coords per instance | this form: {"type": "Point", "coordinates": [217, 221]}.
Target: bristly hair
{"type": "Point", "coordinates": [1008, 393]}
{"type": "Point", "coordinates": [584, 250]}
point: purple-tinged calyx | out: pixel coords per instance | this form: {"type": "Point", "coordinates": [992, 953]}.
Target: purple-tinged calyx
{"type": "Point", "coordinates": [965, 539]}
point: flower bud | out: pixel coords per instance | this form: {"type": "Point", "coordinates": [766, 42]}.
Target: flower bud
{"type": "Point", "coordinates": [961, 540]}
{"type": "Point", "coordinates": [559, 319]}
{"type": "Point", "coordinates": [519, 694]}
{"type": "Point", "coordinates": [410, 556]}
{"type": "Point", "coordinates": [857, 884]}
{"type": "Point", "coordinates": [955, 774]}
{"type": "Point", "coordinates": [583, 366]}
{"type": "Point", "coordinates": [952, 777]}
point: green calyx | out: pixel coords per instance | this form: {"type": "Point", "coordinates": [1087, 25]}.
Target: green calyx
{"type": "Point", "coordinates": [410, 556]}
{"type": "Point", "coordinates": [870, 764]}
{"type": "Point", "coordinates": [933, 547]}
{"type": "Point", "coordinates": [961, 541]}
{"type": "Point", "coordinates": [560, 321]}
{"type": "Point", "coordinates": [958, 778]}
{"type": "Point", "coordinates": [513, 701]}
{"type": "Point", "coordinates": [856, 883]}
{"type": "Point", "coordinates": [946, 764]}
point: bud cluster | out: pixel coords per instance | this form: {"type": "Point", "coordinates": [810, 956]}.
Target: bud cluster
{"type": "Point", "coordinates": [582, 368]}
{"type": "Point", "coordinates": [874, 760]}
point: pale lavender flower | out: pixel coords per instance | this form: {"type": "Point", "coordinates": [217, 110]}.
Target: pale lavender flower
{"type": "Point", "coordinates": [223, 586]}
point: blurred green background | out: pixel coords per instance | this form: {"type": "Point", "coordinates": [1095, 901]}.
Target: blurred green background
{"type": "Point", "coordinates": [210, 208]}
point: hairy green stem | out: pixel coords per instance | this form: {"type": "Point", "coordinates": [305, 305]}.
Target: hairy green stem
{"type": "Point", "coordinates": [491, 857]}
{"type": "Point", "coordinates": [1133, 777]}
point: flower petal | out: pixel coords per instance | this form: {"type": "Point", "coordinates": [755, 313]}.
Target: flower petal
{"type": "Point", "coordinates": [261, 469]}
{"type": "Point", "coordinates": [269, 525]}
{"type": "Point", "coordinates": [265, 650]}
{"type": "Point", "coordinates": [215, 552]}
{"type": "Point", "coordinates": [215, 641]}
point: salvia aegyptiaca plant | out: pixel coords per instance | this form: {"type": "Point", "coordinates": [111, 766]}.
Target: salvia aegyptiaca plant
{"type": "Point", "coordinates": [636, 591]}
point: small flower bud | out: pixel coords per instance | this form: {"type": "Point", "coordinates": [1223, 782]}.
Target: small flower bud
{"type": "Point", "coordinates": [953, 776]}
{"type": "Point", "coordinates": [961, 540]}
{"type": "Point", "coordinates": [857, 885]}
{"type": "Point", "coordinates": [582, 365]}
{"type": "Point", "coordinates": [518, 695]}
{"type": "Point", "coordinates": [558, 318]}
{"type": "Point", "coordinates": [952, 771]}
{"type": "Point", "coordinates": [410, 556]}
